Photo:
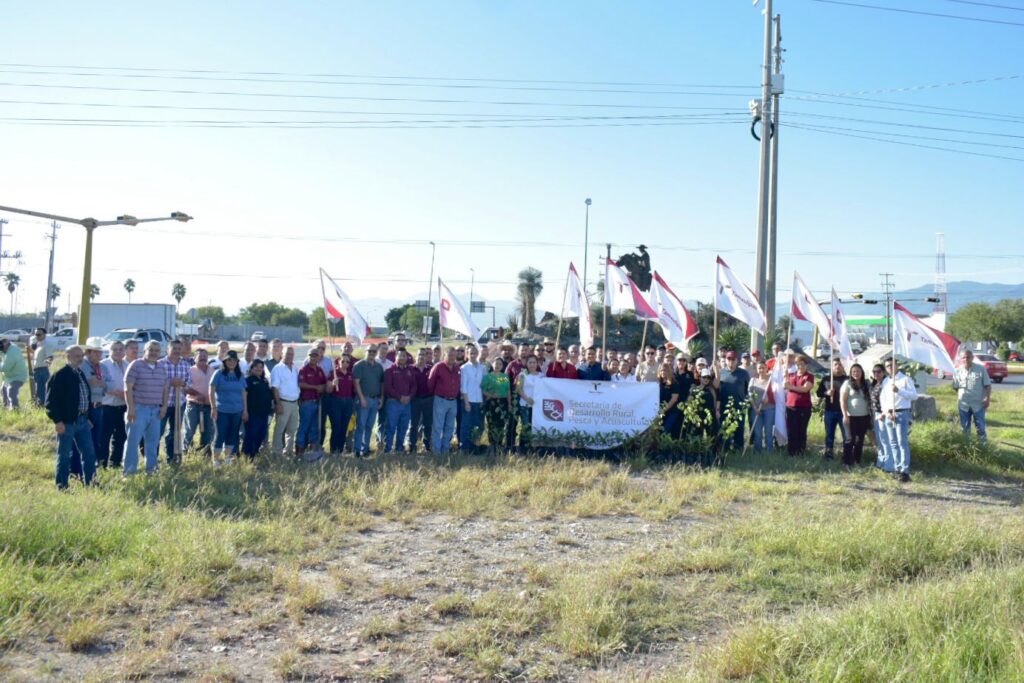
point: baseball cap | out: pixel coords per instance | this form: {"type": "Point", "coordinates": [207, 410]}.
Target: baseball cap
{"type": "Point", "coordinates": [702, 361]}
{"type": "Point", "coordinates": [705, 372]}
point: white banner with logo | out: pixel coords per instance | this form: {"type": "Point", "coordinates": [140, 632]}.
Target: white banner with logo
{"type": "Point", "coordinates": [586, 414]}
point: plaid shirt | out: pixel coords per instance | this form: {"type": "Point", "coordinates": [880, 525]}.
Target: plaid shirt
{"type": "Point", "coordinates": [84, 393]}
{"type": "Point", "coordinates": [180, 370]}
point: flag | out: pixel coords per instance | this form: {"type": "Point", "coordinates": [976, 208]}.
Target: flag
{"type": "Point", "coordinates": [453, 315]}
{"type": "Point", "coordinates": [805, 307]}
{"type": "Point", "coordinates": [338, 306]}
{"type": "Point", "coordinates": [676, 322]}
{"type": "Point", "coordinates": [621, 292]}
{"type": "Point", "coordinates": [914, 340]}
{"type": "Point", "coordinates": [577, 303]}
{"type": "Point", "coordinates": [841, 335]}
{"type": "Point", "coordinates": [778, 394]}
{"type": "Point", "coordinates": [736, 299]}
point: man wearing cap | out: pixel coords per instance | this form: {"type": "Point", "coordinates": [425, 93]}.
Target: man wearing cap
{"type": "Point", "coordinates": [14, 369]}
{"type": "Point", "coordinates": [284, 382]}
{"type": "Point", "coordinates": [93, 372]}
{"type": "Point", "coordinates": [745, 362]}
{"type": "Point", "coordinates": [111, 428]}
{"type": "Point", "coordinates": [42, 356]}
{"type": "Point", "coordinates": [178, 380]}
{"type": "Point", "coordinates": [733, 383]}
{"type": "Point", "coordinates": [146, 389]}
{"type": "Point", "coordinates": [647, 369]}
{"type": "Point", "coordinates": [67, 406]}
{"type": "Point", "coordinates": [312, 387]}
{"type": "Point", "coordinates": [368, 379]}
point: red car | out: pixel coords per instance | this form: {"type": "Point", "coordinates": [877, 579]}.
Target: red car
{"type": "Point", "coordinates": [997, 370]}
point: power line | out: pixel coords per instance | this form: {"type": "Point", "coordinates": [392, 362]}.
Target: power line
{"type": "Point", "coordinates": [908, 125]}
{"type": "Point", "coordinates": [928, 110]}
{"type": "Point", "coordinates": [920, 12]}
{"type": "Point", "coordinates": [921, 137]}
{"type": "Point", "coordinates": [928, 86]}
{"type": "Point", "coordinates": [907, 144]}
{"type": "Point", "coordinates": [987, 4]}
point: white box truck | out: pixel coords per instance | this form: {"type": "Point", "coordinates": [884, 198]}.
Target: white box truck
{"type": "Point", "coordinates": [104, 318]}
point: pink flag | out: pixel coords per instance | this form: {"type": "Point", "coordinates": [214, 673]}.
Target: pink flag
{"type": "Point", "coordinates": [917, 341]}
{"type": "Point", "coordinates": [676, 322]}
{"type": "Point", "coordinates": [805, 307]}
{"type": "Point", "coordinates": [337, 306]}
{"type": "Point", "coordinates": [620, 292]}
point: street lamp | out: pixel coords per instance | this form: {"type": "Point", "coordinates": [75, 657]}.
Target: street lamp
{"type": "Point", "coordinates": [428, 321]}
{"type": "Point", "coordinates": [586, 240]}
{"type": "Point", "coordinates": [91, 224]}
{"type": "Point", "coordinates": [472, 278]}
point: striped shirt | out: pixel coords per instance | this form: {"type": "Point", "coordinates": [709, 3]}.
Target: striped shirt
{"type": "Point", "coordinates": [147, 382]}
{"type": "Point", "coordinates": [180, 370]}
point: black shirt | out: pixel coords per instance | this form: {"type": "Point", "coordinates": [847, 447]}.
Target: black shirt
{"type": "Point", "coordinates": [259, 397]}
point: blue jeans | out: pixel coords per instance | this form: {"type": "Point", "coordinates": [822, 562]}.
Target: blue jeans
{"type": "Point", "coordinates": [255, 434]}
{"type": "Point", "coordinates": [339, 410]}
{"type": "Point", "coordinates": [146, 426]}
{"type": "Point", "coordinates": [764, 428]}
{"type": "Point", "coordinates": [898, 431]}
{"type": "Point", "coordinates": [833, 419]}
{"type": "Point", "coordinates": [10, 391]}
{"type": "Point", "coordinates": [77, 434]}
{"type": "Point", "coordinates": [197, 417]}
{"type": "Point", "coordinates": [979, 422]}
{"type": "Point", "coordinates": [228, 426]}
{"type": "Point", "coordinates": [366, 418]}
{"type": "Point", "coordinates": [442, 424]}
{"type": "Point", "coordinates": [95, 418]}
{"type": "Point", "coordinates": [309, 424]}
{"type": "Point", "coordinates": [472, 424]}
{"type": "Point", "coordinates": [885, 459]}
{"type": "Point", "coordinates": [398, 416]}
{"type": "Point", "coordinates": [41, 376]}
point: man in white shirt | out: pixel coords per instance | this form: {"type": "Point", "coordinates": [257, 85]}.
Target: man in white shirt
{"type": "Point", "coordinates": [470, 378]}
{"type": "Point", "coordinates": [284, 382]}
{"type": "Point", "coordinates": [897, 399]}
{"type": "Point", "coordinates": [113, 409]}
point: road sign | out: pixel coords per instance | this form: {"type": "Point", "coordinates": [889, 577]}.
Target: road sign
{"type": "Point", "coordinates": [477, 306]}
{"type": "Point", "coordinates": [421, 305]}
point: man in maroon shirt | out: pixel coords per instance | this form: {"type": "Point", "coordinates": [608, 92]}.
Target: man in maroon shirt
{"type": "Point", "coordinates": [399, 389]}
{"type": "Point", "coordinates": [422, 403]}
{"type": "Point", "coordinates": [562, 368]}
{"type": "Point", "coordinates": [312, 385]}
{"type": "Point", "coordinates": [445, 384]}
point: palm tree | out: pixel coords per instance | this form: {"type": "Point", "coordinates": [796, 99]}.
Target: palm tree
{"type": "Point", "coordinates": [531, 284]}
{"type": "Point", "coordinates": [129, 286]}
{"type": "Point", "coordinates": [54, 292]}
{"type": "Point", "coordinates": [94, 291]}
{"type": "Point", "coordinates": [178, 292]}
{"type": "Point", "coordinates": [12, 280]}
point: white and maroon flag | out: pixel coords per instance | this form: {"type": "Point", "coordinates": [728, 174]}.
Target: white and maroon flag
{"type": "Point", "coordinates": [736, 299]}
{"type": "Point", "coordinates": [805, 307]}
{"type": "Point", "coordinates": [620, 292]}
{"type": "Point", "coordinates": [676, 322]}
{"type": "Point", "coordinates": [841, 335]}
{"type": "Point", "coordinates": [338, 306]}
{"type": "Point", "coordinates": [453, 315]}
{"type": "Point", "coordinates": [778, 394]}
{"type": "Point", "coordinates": [577, 303]}
{"type": "Point", "coordinates": [917, 341]}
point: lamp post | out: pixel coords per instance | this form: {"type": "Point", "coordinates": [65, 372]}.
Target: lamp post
{"type": "Point", "coordinates": [472, 279]}
{"type": "Point", "coordinates": [91, 224]}
{"type": "Point", "coordinates": [428, 321]}
{"type": "Point", "coordinates": [586, 240]}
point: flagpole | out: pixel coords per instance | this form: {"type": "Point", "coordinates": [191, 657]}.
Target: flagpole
{"type": "Point", "coordinates": [440, 327]}
{"type": "Point", "coordinates": [561, 312]}
{"type": "Point", "coordinates": [714, 327]}
{"type": "Point", "coordinates": [604, 309]}
{"type": "Point", "coordinates": [643, 339]}
{"type": "Point", "coordinates": [323, 294]}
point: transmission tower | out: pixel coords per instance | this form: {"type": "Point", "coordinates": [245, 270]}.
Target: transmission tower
{"type": "Point", "coordinates": [940, 273]}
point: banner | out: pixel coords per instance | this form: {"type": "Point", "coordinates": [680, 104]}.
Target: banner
{"type": "Point", "coordinates": [621, 293]}
{"type": "Point", "coordinates": [677, 324]}
{"type": "Point", "coordinates": [914, 340]}
{"type": "Point", "coordinates": [599, 414]}
{"type": "Point", "coordinates": [578, 304]}
{"type": "Point", "coordinates": [778, 393]}
{"type": "Point", "coordinates": [453, 315]}
{"type": "Point", "coordinates": [734, 298]}
{"type": "Point", "coordinates": [805, 307]}
{"type": "Point", "coordinates": [338, 306]}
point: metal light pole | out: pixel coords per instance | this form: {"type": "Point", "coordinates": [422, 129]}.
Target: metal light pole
{"type": "Point", "coordinates": [430, 289]}
{"type": "Point", "coordinates": [91, 224]}
{"type": "Point", "coordinates": [586, 240]}
{"type": "Point", "coordinates": [773, 199]}
{"type": "Point", "coordinates": [49, 278]}
{"type": "Point", "coordinates": [761, 254]}
{"type": "Point", "coordinates": [472, 278]}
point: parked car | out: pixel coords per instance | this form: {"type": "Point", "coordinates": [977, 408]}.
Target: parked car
{"type": "Point", "coordinates": [65, 337]}
{"type": "Point", "coordinates": [1016, 356]}
{"type": "Point", "coordinates": [19, 336]}
{"type": "Point", "coordinates": [997, 370]}
{"type": "Point", "coordinates": [257, 336]}
{"type": "Point", "coordinates": [142, 335]}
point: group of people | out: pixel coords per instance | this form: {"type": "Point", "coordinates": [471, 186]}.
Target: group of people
{"type": "Point", "coordinates": [108, 411]}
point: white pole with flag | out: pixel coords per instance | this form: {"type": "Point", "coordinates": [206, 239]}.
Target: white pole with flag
{"type": "Point", "coordinates": [805, 307]}
{"type": "Point", "coordinates": [676, 323]}
{"type": "Point", "coordinates": [917, 341]}
{"type": "Point", "coordinates": [453, 316]}
{"type": "Point", "coordinates": [579, 305]}
{"type": "Point", "coordinates": [734, 298]}
{"type": "Point", "coordinates": [840, 329]}
{"type": "Point", "coordinates": [338, 306]}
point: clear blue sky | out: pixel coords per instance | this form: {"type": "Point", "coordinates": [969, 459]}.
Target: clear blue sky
{"type": "Point", "coordinates": [687, 190]}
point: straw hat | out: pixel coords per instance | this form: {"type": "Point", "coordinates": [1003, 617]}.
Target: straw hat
{"type": "Point", "coordinates": [93, 344]}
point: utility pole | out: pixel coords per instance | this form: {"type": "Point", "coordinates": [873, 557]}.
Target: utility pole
{"type": "Point", "coordinates": [762, 110]}
{"type": "Point", "coordinates": [888, 285]}
{"type": "Point", "coordinates": [55, 226]}
{"type": "Point", "coordinates": [428, 322]}
{"type": "Point", "coordinates": [586, 240]}
{"type": "Point", "coordinates": [777, 90]}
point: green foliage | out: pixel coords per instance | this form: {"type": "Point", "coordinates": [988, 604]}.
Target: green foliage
{"type": "Point", "coordinates": [980, 321]}
{"type": "Point", "coordinates": [412, 320]}
{"type": "Point", "coordinates": [736, 337]}
{"type": "Point", "coordinates": [393, 318]}
{"type": "Point", "coordinates": [94, 291]}
{"type": "Point", "coordinates": [531, 284]}
{"type": "Point", "coordinates": [214, 313]}
{"type": "Point", "coordinates": [273, 313]}
{"type": "Point", "coordinates": [511, 324]}
{"type": "Point", "coordinates": [54, 292]}
{"type": "Point", "coordinates": [1003, 351]}
{"type": "Point", "coordinates": [178, 291]}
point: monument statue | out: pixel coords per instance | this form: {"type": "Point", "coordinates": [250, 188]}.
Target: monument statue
{"type": "Point", "coordinates": [638, 267]}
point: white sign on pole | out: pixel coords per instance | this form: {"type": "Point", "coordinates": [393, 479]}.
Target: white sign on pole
{"type": "Point", "coordinates": [600, 414]}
